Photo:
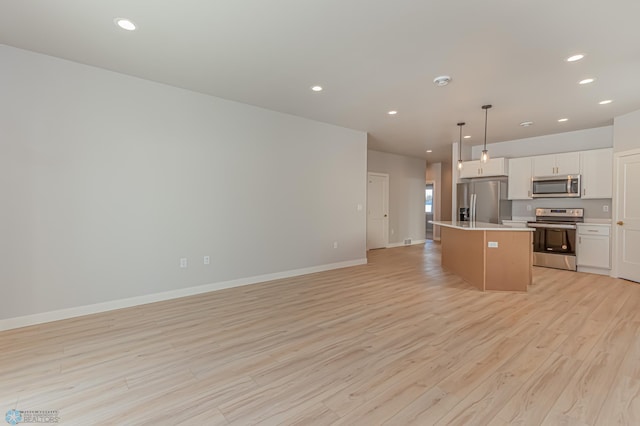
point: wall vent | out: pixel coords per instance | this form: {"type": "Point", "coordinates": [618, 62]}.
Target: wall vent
{"type": "Point", "coordinates": [407, 241]}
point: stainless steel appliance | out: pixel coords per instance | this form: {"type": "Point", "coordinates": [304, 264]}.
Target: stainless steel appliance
{"type": "Point", "coordinates": [554, 238]}
{"type": "Point", "coordinates": [483, 200]}
{"type": "Point", "coordinates": [566, 186]}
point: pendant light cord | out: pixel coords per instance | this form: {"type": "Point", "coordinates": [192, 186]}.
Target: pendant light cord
{"type": "Point", "coordinates": [460, 142]}
{"type": "Point", "coordinates": [486, 114]}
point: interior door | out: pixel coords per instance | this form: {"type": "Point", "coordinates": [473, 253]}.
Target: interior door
{"type": "Point", "coordinates": [377, 210]}
{"type": "Point", "coordinates": [628, 217]}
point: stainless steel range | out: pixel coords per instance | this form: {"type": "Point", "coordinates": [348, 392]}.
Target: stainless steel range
{"type": "Point", "coordinates": [554, 239]}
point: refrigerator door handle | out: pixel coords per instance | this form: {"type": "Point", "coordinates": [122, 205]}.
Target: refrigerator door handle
{"type": "Point", "coordinates": [473, 208]}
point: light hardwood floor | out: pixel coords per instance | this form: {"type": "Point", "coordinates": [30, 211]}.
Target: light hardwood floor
{"type": "Point", "coordinates": [398, 341]}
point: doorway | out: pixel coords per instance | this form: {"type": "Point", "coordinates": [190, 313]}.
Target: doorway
{"type": "Point", "coordinates": [377, 210]}
{"type": "Point", "coordinates": [429, 209]}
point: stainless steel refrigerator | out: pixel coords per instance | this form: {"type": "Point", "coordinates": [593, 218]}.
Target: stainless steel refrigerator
{"type": "Point", "coordinates": [484, 200]}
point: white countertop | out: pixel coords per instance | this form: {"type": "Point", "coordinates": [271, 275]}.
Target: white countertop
{"type": "Point", "coordinates": [478, 226]}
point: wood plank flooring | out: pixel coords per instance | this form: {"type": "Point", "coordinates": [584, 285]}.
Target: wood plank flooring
{"type": "Point", "coordinates": [398, 341]}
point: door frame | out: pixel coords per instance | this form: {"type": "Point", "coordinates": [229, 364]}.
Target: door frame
{"type": "Point", "coordinates": [434, 208]}
{"type": "Point", "coordinates": [386, 200]}
{"type": "Point", "coordinates": [615, 234]}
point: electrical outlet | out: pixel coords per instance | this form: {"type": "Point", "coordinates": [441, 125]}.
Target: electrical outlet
{"type": "Point", "coordinates": [393, 231]}
{"type": "Point", "coordinates": [207, 260]}
{"type": "Point", "coordinates": [528, 207]}
{"type": "Point", "coordinates": [183, 262]}
{"type": "Point", "coordinates": [359, 207]}
{"type": "Point", "coordinates": [492, 244]}
{"type": "Point", "coordinates": [335, 244]}
{"type": "Point", "coordinates": [605, 208]}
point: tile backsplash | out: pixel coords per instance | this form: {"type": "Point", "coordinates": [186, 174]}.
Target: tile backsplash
{"type": "Point", "coordinates": [593, 209]}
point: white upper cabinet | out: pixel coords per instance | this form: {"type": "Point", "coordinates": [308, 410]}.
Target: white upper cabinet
{"type": "Point", "coordinates": [567, 163]}
{"type": "Point", "coordinates": [520, 178]}
{"type": "Point", "coordinates": [495, 167]}
{"type": "Point", "coordinates": [596, 168]}
{"type": "Point", "coordinates": [476, 168]}
{"type": "Point", "coordinates": [470, 169]}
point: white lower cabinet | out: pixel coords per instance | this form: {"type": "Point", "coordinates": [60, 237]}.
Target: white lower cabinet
{"type": "Point", "coordinates": [593, 248]}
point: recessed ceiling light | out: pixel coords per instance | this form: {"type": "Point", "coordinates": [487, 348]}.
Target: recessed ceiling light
{"type": "Point", "coordinates": [443, 80]}
{"type": "Point", "coordinates": [467, 137]}
{"type": "Point", "coordinates": [586, 81]}
{"type": "Point", "coordinates": [608, 101]}
{"type": "Point", "coordinates": [562, 120]}
{"type": "Point", "coordinates": [429, 151]}
{"type": "Point", "coordinates": [526, 123]}
{"type": "Point", "coordinates": [125, 24]}
{"type": "Point", "coordinates": [574, 58]}
{"type": "Point", "coordinates": [392, 112]}
{"type": "Point", "coordinates": [316, 88]}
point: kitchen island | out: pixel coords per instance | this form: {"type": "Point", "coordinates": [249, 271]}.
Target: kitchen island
{"type": "Point", "coordinates": [487, 255]}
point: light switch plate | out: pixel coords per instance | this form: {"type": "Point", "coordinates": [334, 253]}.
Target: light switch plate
{"type": "Point", "coordinates": [492, 244]}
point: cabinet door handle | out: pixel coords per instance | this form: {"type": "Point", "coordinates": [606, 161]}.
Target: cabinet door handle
{"type": "Point", "coordinates": [584, 191]}
{"type": "Point", "coordinates": [529, 193]}
{"type": "Point", "coordinates": [579, 240]}
{"type": "Point", "coordinates": [620, 223]}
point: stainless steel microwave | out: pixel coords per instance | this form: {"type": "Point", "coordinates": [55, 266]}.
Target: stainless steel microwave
{"type": "Point", "coordinates": [566, 186]}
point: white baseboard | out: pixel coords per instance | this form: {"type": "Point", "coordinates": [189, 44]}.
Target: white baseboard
{"type": "Point", "coordinates": [591, 270]}
{"type": "Point", "coordinates": [40, 318]}
{"type": "Point", "coordinates": [402, 244]}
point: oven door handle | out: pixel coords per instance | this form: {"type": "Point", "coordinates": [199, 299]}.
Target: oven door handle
{"type": "Point", "coordinates": [551, 225]}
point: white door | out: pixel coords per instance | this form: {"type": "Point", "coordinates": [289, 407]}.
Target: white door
{"type": "Point", "coordinates": [628, 217]}
{"type": "Point", "coordinates": [377, 210]}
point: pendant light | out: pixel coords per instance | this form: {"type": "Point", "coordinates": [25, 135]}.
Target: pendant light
{"type": "Point", "coordinates": [460, 147]}
{"type": "Point", "coordinates": [485, 153]}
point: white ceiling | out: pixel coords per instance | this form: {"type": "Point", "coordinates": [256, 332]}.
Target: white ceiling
{"type": "Point", "coordinates": [371, 56]}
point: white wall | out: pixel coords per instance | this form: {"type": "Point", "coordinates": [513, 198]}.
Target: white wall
{"type": "Point", "coordinates": [579, 140]}
{"type": "Point", "coordinates": [406, 194]}
{"type": "Point", "coordinates": [626, 133]}
{"type": "Point", "coordinates": [107, 180]}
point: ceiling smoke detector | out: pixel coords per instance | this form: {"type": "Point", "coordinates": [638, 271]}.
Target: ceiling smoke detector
{"type": "Point", "coordinates": [443, 80]}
